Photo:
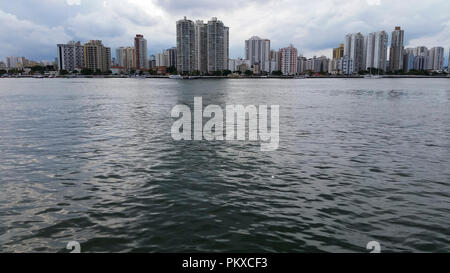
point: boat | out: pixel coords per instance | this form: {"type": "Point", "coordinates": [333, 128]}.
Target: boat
{"type": "Point", "coordinates": [176, 77]}
{"type": "Point", "coordinates": [371, 76]}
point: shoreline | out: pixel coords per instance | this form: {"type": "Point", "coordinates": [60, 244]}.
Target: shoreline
{"type": "Point", "coordinates": [231, 78]}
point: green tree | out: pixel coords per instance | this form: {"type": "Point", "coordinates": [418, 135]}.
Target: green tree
{"type": "Point", "coordinates": [248, 72]}
{"type": "Point", "coordinates": [3, 71]}
{"type": "Point", "coordinates": [226, 72]}
{"type": "Point", "coordinates": [277, 73]}
{"type": "Point", "coordinates": [86, 71]}
{"type": "Point", "coordinates": [63, 72]}
{"type": "Point", "coordinates": [172, 70]}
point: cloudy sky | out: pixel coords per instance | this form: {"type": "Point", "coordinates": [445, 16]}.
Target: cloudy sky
{"type": "Point", "coordinates": [32, 28]}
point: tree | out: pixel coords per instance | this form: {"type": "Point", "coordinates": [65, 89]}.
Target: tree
{"type": "Point", "coordinates": [86, 71]}
{"type": "Point", "coordinates": [277, 73]}
{"type": "Point", "coordinates": [63, 72]}
{"type": "Point", "coordinates": [3, 71]}
{"type": "Point", "coordinates": [248, 73]}
{"type": "Point", "coordinates": [172, 70]}
{"type": "Point", "coordinates": [226, 72]}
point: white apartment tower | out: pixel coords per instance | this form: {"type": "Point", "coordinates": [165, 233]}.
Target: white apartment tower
{"type": "Point", "coordinates": [436, 58]}
{"type": "Point", "coordinates": [354, 49]}
{"type": "Point", "coordinates": [376, 45]}
{"type": "Point", "coordinates": [70, 56]}
{"type": "Point", "coordinates": [257, 50]}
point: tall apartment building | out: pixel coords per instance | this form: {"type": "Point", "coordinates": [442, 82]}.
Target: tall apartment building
{"type": "Point", "coordinates": [257, 50]}
{"type": "Point", "coordinates": [408, 59]}
{"type": "Point", "coordinates": [436, 58]}
{"type": "Point", "coordinates": [376, 45]}
{"type": "Point", "coordinates": [70, 56]}
{"type": "Point", "coordinates": [126, 57]}
{"type": "Point", "coordinates": [96, 56]}
{"type": "Point", "coordinates": [201, 47]}
{"type": "Point", "coordinates": [354, 49]}
{"type": "Point", "coordinates": [171, 56]}
{"type": "Point", "coordinates": [226, 47]}
{"type": "Point", "coordinates": [288, 60]}
{"type": "Point", "coordinates": [338, 52]}
{"type": "Point", "coordinates": [118, 60]}
{"type": "Point", "coordinates": [396, 51]}
{"type": "Point", "coordinates": [14, 62]}
{"type": "Point", "coordinates": [216, 39]}
{"type": "Point", "coordinates": [140, 45]}
{"type": "Point", "coordinates": [185, 46]}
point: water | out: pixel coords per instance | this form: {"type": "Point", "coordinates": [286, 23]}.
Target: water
{"type": "Point", "coordinates": [92, 160]}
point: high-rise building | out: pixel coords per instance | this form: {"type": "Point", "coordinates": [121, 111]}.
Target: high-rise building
{"type": "Point", "coordinates": [129, 58]}
{"type": "Point", "coordinates": [70, 56]}
{"type": "Point", "coordinates": [96, 56]}
{"type": "Point", "coordinates": [140, 45]}
{"type": "Point", "coordinates": [171, 55]}
{"type": "Point", "coordinates": [185, 46]}
{"type": "Point", "coordinates": [118, 60]}
{"type": "Point", "coordinates": [376, 45]}
{"type": "Point", "coordinates": [436, 58]}
{"type": "Point", "coordinates": [288, 57]}
{"type": "Point", "coordinates": [338, 52]}
{"type": "Point", "coordinates": [257, 50]}
{"type": "Point", "coordinates": [354, 49]}
{"type": "Point", "coordinates": [162, 59]}
{"type": "Point", "coordinates": [126, 57]}
{"type": "Point", "coordinates": [152, 61]}
{"type": "Point", "coordinates": [396, 51]}
{"type": "Point", "coordinates": [201, 47]}
{"type": "Point", "coordinates": [408, 59]}
{"type": "Point", "coordinates": [226, 47]}
{"type": "Point", "coordinates": [346, 65]}
{"type": "Point", "coordinates": [217, 42]}
{"type": "Point", "coordinates": [14, 62]}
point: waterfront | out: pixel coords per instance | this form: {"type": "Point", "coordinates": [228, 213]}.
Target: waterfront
{"type": "Point", "coordinates": [92, 160]}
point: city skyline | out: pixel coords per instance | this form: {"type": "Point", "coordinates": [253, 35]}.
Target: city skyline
{"type": "Point", "coordinates": [315, 31]}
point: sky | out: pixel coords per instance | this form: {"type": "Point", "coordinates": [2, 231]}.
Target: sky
{"type": "Point", "coordinates": [32, 28]}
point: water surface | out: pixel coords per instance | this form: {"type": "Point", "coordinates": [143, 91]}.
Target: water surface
{"type": "Point", "coordinates": [92, 160]}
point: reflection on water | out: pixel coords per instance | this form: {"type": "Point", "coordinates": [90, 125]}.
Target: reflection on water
{"type": "Point", "coordinates": [93, 161]}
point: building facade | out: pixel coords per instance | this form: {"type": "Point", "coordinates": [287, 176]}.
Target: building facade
{"type": "Point", "coordinates": [338, 52]}
{"type": "Point", "coordinates": [355, 50]}
{"type": "Point", "coordinates": [185, 46]}
{"type": "Point", "coordinates": [376, 45]}
{"type": "Point", "coordinates": [288, 60]}
{"type": "Point", "coordinates": [396, 51]}
{"type": "Point", "coordinates": [201, 47]}
{"type": "Point", "coordinates": [97, 56]}
{"type": "Point", "coordinates": [216, 46]}
{"type": "Point", "coordinates": [70, 56]}
{"type": "Point", "coordinates": [257, 51]}
{"type": "Point", "coordinates": [436, 58]}
{"type": "Point", "coordinates": [140, 46]}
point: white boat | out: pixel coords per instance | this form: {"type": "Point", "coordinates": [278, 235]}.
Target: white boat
{"type": "Point", "coordinates": [177, 77]}
{"type": "Point", "coordinates": [372, 77]}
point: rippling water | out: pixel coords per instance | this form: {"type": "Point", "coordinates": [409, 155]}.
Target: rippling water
{"type": "Point", "coordinates": [92, 160]}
